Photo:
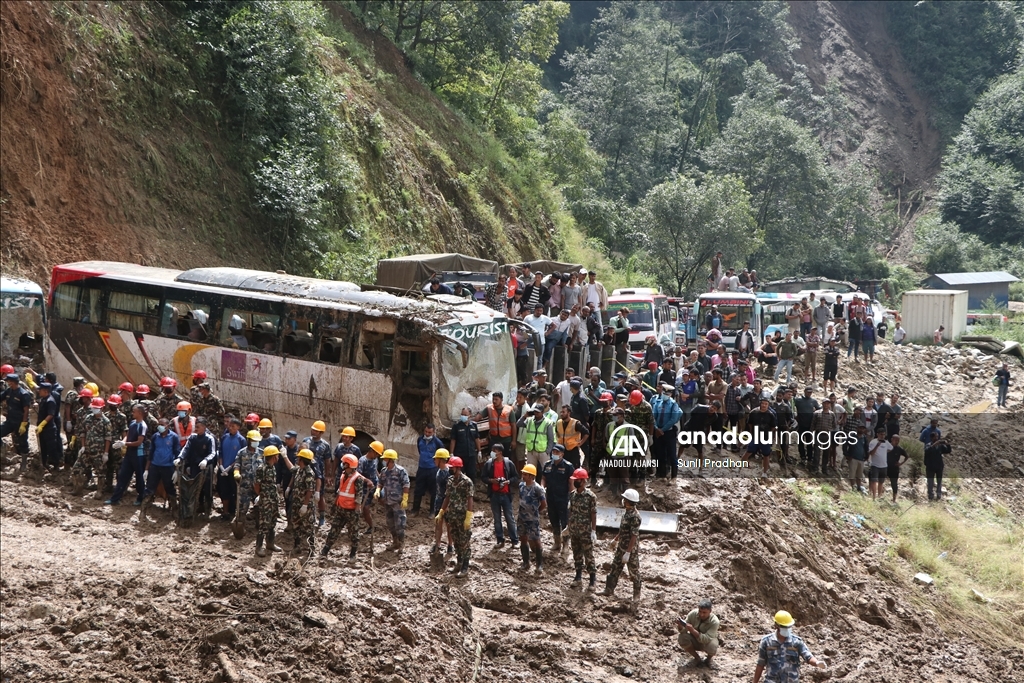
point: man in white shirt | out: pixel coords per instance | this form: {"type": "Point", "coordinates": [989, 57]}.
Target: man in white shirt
{"type": "Point", "coordinates": [878, 459]}
{"type": "Point", "coordinates": [898, 335]}
{"type": "Point", "coordinates": [594, 294]}
{"type": "Point", "coordinates": [577, 328]}
{"type": "Point", "coordinates": [563, 390]}
{"type": "Point", "coordinates": [542, 324]}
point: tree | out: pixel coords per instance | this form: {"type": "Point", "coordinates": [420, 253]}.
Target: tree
{"type": "Point", "coordinates": [982, 184]}
{"type": "Point", "coordinates": [683, 224]}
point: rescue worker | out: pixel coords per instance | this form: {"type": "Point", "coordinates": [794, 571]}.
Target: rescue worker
{"type": "Point", "coordinates": [95, 434]}
{"type": "Point", "coordinates": [501, 427]}
{"type": "Point", "coordinates": [132, 462]}
{"type": "Point", "coordinates": [457, 512]}
{"type": "Point", "coordinates": [142, 394]}
{"type": "Point", "coordinates": [198, 377]}
{"type": "Point", "coordinates": [265, 486]}
{"type": "Point", "coordinates": [197, 452]}
{"type": "Point", "coordinates": [582, 528]}
{"type": "Point", "coordinates": [18, 402]}
{"type": "Point", "coordinates": [321, 450]}
{"type": "Point", "coordinates": [368, 468]}
{"type": "Point", "coordinates": [532, 501]}
{"type": "Point", "coordinates": [127, 392]}
{"type": "Point", "coordinates": [699, 632]}
{"type": "Point", "coordinates": [48, 427]}
{"type": "Point", "coordinates": [304, 489]}
{"type": "Point", "coordinates": [183, 423]}
{"type": "Point", "coordinates": [165, 447]}
{"type": "Point", "coordinates": [571, 434]}
{"type": "Point", "coordinates": [499, 473]}
{"type": "Point", "coordinates": [286, 460]}
{"type": "Point", "coordinates": [627, 546]}
{"type": "Point", "coordinates": [393, 493]}
{"type": "Point", "coordinates": [464, 442]}
{"type": "Point", "coordinates": [231, 442]}
{"type": "Point", "coordinates": [441, 475]}
{"type": "Point", "coordinates": [555, 478]}
{"type": "Point", "coordinates": [344, 447]}
{"type": "Point", "coordinates": [352, 488]}
{"type": "Point", "coordinates": [82, 411]}
{"type": "Point", "coordinates": [540, 435]}
{"type": "Point", "coordinates": [118, 428]}
{"type": "Point", "coordinates": [167, 401]}
{"type": "Point", "coordinates": [599, 432]}
{"type": "Point", "coordinates": [68, 408]}
{"type": "Point", "coordinates": [426, 473]}
{"type": "Point", "coordinates": [208, 405]}
{"type": "Point", "coordinates": [246, 462]}
{"type": "Point", "coordinates": [250, 423]}
{"type": "Point", "coordinates": [781, 653]}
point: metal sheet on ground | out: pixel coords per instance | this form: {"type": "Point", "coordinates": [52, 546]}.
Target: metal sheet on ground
{"type": "Point", "coordinates": [651, 522]}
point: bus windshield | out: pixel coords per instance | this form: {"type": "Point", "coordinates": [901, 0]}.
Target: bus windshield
{"type": "Point", "coordinates": [733, 313]}
{"type": "Point", "coordinates": [641, 314]}
{"type": "Point", "coordinates": [490, 368]}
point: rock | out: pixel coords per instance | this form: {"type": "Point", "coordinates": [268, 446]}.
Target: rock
{"type": "Point", "coordinates": [923, 579]}
{"type": "Point", "coordinates": [89, 640]}
{"type": "Point", "coordinates": [407, 635]}
{"type": "Point", "coordinates": [223, 637]}
{"type": "Point", "coordinates": [1005, 464]}
{"type": "Point", "coordinates": [39, 610]}
{"type": "Point", "coordinates": [978, 597]}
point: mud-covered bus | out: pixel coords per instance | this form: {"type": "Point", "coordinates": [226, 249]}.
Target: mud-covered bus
{"type": "Point", "coordinates": [290, 348]}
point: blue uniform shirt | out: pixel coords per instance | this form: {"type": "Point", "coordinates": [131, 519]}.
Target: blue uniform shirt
{"type": "Point", "coordinates": [782, 661]}
{"type": "Point", "coordinates": [427, 448]}
{"type": "Point", "coordinates": [229, 447]}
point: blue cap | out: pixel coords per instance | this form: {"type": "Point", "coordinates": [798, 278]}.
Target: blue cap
{"type": "Point", "coordinates": [45, 385]}
{"type": "Point", "coordinates": [291, 433]}
{"type": "Point", "coordinates": [11, 377]}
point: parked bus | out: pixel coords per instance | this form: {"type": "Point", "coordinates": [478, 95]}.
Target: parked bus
{"type": "Point", "coordinates": [648, 314]}
{"type": "Point", "coordinates": [735, 309]}
{"type": "Point", "coordinates": [289, 348]}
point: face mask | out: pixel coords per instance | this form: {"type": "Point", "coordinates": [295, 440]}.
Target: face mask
{"type": "Point", "coordinates": [161, 429]}
{"type": "Point", "coordinates": [616, 382]}
{"type": "Point", "coordinates": [493, 454]}
{"type": "Point", "coordinates": [556, 457]}
{"type": "Point", "coordinates": [785, 631]}
{"type": "Point", "coordinates": [464, 418]}
{"type": "Point", "coordinates": [168, 390]}
{"type": "Point", "coordinates": [254, 444]}
{"type": "Point", "coordinates": [580, 483]}
{"type": "Point", "coordinates": [181, 414]}
{"type": "Point", "coordinates": [96, 411]}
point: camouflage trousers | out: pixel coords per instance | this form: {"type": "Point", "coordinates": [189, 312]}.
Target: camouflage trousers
{"type": "Point", "coordinates": [87, 461]}
{"type": "Point", "coordinates": [633, 565]}
{"type": "Point", "coordinates": [113, 465]}
{"type": "Point", "coordinates": [396, 519]}
{"type": "Point", "coordinates": [245, 496]}
{"type": "Point", "coordinates": [341, 518]}
{"type": "Point", "coordinates": [460, 536]}
{"type": "Point", "coordinates": [583, 551]}
{"type": "Point", "coordinates": [528, 530]}
{"type": "Point", "coordinates": [268, 511]}
{"type": "Point", "coordinates": [304, 526]}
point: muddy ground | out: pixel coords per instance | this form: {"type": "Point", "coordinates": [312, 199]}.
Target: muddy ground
{"type": "Point", "coordinates": [93, 593]}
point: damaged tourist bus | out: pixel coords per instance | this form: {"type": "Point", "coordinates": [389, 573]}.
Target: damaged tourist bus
{"type": "Point", "coordinates": [290, 348]}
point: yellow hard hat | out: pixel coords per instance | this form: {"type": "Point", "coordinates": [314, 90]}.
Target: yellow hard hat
{"type": "Point", "coordinates": [390, 454]}
{"type": "Point", "coordinates": [270, 451]}
{"type": "Point", "coordinates": [348, 431]}
{"type": "Point", "coordinates": [530, 469]}
{"type": "Point", "coordinates": [253, 435]}
{"type": "Point", "coordinates": [442, 453]}
{"type": "Point", "coordinates": [265, 422]}
{"type": "Point", "coordinates": [319, 426]}
{"type": "Point", "coordinates": [94, 388]}
{"type": "Point", "coordinates": [303, 453]}
{"type": "Point", "coordinates": [377, 446]}
{"type": "Point", "coordinates": [784, 618]}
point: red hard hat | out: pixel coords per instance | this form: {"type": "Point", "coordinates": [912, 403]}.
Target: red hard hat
{"type": "Point", "coordinates": [86, 392]}
{"type": "Point", "coordinates": [455, 461]}
{"type": "Point", "coordinates": [114, 400]}
{"type": "Point", "coordinates": [97, 402]}
{"type": "Point", "coordinates": [7, 370]}
{"type": "Point", "coordinates": [252, 417]}
{"type": "Point", "coordinates": [580, 473]}
{"type": "Point", "coordinates": [142, 389]}
{"type": "Point", "coordinates": [635, 397]}
{"type": "Point", "coordinates": [607, 396]}
{"type": "Point", "coordinates": [199, 374]}
{"type": "Point", "coordinates": [652, 365]}
{"type": "Point", "coordinates": [126, 386]}
{"type": "Point", "coordinates": [168, 382]}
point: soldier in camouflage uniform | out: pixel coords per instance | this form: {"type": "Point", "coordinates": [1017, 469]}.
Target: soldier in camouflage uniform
{"type": "Point", "coordinates": [167, 401]}
{"type": "Point", "coordinates": [265, 486]}
{"type": "Point", "coordinates": [303, 487]}
{"type": "Point", "coordinates": [599, 433]}
{"type": "Point", "coordinates": [532, 501]}
{"type": "Point", "coordinates": [68, 409]}
{"type": "Point", "coordinates": [393, 492]}
{"type": "Point", "coordinates": [627, 546]}
{"type": "Point", "coordinates": [149, 409]}
{"type": "Point", "coordinates": [582, 527]}
{"type": "Point", "coordinates": [80, 411]}
{"type": "Point", "coordinates": [641, 415]}
{"type": "Point", "coordinates": [209, 406]}
{"type": "Point", "coordinates": [198, 380]}
{"type": "Point", "coordinates": [244, 471]}
{"type": "Point", "coordinates": [457, 511]}
{"type": "Point", "coordinates": [352, 487]}
{"type": "Point", "coordinates": [781, 652]}
{"type": "Point", "coordinates": [95, 429]}
{"type": "Point", "coordinates": [118, 428]}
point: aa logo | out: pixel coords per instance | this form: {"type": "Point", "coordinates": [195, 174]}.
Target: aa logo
{"type": "Point", "coordinates": [628, 441]}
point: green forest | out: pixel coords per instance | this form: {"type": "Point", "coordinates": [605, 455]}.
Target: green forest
{"type": "Point", "coordinates": [647, 135]}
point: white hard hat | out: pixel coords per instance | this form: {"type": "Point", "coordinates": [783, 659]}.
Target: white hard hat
{"type": "Point", "coordinates": [631, 495]}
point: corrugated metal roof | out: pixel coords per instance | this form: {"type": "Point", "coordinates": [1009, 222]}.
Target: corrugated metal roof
{"type": "Point", "coordinates": [980, 278]}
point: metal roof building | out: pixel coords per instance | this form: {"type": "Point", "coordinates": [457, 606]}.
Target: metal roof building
{"type": "Point", "coordinates": [980, 286]}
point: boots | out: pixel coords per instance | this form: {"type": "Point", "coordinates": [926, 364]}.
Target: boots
{"type": "Point", "coordinates": [578, 581]}
{"type": "Point", "coordinates": [259, 546]}
{"type": "Point", "coordinates": [351, 553]}
{"type": "Point", "coordinates": [636, 592]}
{"type": "Point", "coordinates": [464, 570]}
{"type": "Point", "coordinates": [326, 549]}
{"type": "Point", "coordinates": [593, 583]}
{"type": "Point", "coordinates": [270, 542]}
{"type": "Point", "coordinates": [609, 586]}
{"type": "Point", "coordinates": [77, 483]}
{"type": "Point", "coordinates": [524, 548]}
{"type": "Point", "coordinates": [539, 557]}
{"type": "Point", "coordinates": [558, 541]}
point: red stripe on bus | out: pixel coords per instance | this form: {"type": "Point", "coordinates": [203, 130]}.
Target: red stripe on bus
{"type": "Point", "coordinates": [62, 274]}
{"type": "Point", "coordinates": [105, 336]}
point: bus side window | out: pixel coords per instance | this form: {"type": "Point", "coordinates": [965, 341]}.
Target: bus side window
{"type": "Point", "coordinates": [185, 319]}
{"type": "Point", "coordinates": [298, 337]}
{"type": "Point", "coordinates": [333, 331]}
{"type": "Point", "coordinates": [375, 346]}
{"type": "Point", "coordinates": [134, 312]}
{"type": "Point", "coordinates": [65, 302]}
{"type": "Point", "coordinates": [249, 330]}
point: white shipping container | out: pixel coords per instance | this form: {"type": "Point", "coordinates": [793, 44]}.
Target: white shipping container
{"type": "Point", "coordinates": [923, 310]}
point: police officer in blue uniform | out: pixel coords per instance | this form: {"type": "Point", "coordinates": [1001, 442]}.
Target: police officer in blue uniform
{"type": "Point", "coordinates": [48, 427]}
{"type": "Point", "coordinates": [555, 477]}
{"type": "Point", "coordinates": [18, 401]}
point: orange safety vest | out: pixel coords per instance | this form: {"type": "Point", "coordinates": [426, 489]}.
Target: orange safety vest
{"type": "Point", "coordinates": [186, 431]}
{"type": "Point", "coordinates": [347, 492]}
{"type": "Point", "coordinates": [499, 425]}
{"type": "Point", "coordinates": [569, 437]}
